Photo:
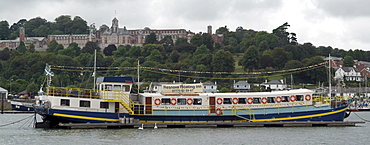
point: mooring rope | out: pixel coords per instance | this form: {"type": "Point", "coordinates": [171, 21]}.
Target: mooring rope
{"type": "Point", "coordinates": [16, 121]}
{"type": "Point", "coordinates": [361, 117]}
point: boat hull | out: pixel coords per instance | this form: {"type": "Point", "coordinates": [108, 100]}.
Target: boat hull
{"type": "Point", "coordinates": [56, 116]}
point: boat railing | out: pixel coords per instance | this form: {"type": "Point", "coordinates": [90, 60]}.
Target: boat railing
{"type": "Point", "coordinates": [232, 109]}
{"type": "Point", "coordinates": [72, 92]}
{"type": "Point", "coordinates": [114, 95]}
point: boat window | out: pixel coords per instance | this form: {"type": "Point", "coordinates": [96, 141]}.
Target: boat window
{"type": "Point", "coordinates": [117, 87]}
{"type": "Point", "coordinates": [256, 100]}
{"type": "Point", "coordinates": [108, 87]}
{"type": "Point", "coordinates": [84, 103]}
{"type": "Point", "coordinates": [299, 97]}
{"type": "Point", "coordinates": [104, 105]}
{"type": "Point", "coordinates": [165, 101]}
{"type": "Point", "coordinates": [227, 100]}
{"type": "Point", "coordinates": [242, 101]}
{"type": "Point", "coordinates": [271, 99]}
{"type": "Point", "coordinates": [64, 102]}
{"type": "Point", "coordinates": [285, 98]}
{"type": "Point", "coordinates": [197, 101]}
{"type": "Point", "coordinates": [181, 101]}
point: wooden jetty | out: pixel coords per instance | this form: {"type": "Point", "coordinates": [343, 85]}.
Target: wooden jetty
{"type": "Point", "coordinates": [210, 124]}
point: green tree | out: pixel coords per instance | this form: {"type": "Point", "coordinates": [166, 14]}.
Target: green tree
{"type": "Point", "coordinates": [196, 40]}
{"type": "Point", "coordinates": [79, 25]}
{"type": "Point", "coordinates": [199, 53]}
{"type": "Point", "coordinates": [64, 24]}
{"type": "Point", "coordinates": [52, 46]}
{"type": "Point", "coordinates": [280, 57]}
{"type": "Point", "coordinates": [348, 61]}
{"type": "Point", "coordinates": [155, 56]}
{"type": "Point", "coordinates": [108, 51]}
{"type": "Point", "coordinates": [148, 48]}
{"type": "Point", "coordinates": [223, 61]}
{"type": "Point", "coordinates": [22, 47]}
{"type": "Point", "coordinates": [181, 41]}
{"type": "Point", "coordinates": [90, 47]}
{"type": "Point", "coordinates": [4, 30]}
{"type": "Point", "coordinates": [293, 64]}
{"type": "Point", "coordinates": [32, 25]}
{"type": "Point", "coordinates": [174, 56]}
{"type": "Point", "coordinates": [250, 59]}
{"type": "Point", "coordinates": [151, 39]}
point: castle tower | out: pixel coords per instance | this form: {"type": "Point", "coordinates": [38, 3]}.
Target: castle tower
{"type": "Point", "coordinates": [114, 25]}
{"type": "Point", "coordinates": [209, 29]}
{"type": "Point", "coordinates": [22, 34]}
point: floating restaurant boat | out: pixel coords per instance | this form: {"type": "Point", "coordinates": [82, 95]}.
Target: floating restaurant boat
{"type": "Point", "coordinates": [113, 102]}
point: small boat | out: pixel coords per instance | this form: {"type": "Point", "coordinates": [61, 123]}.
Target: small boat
{"type": "Point", "coordinates": [22, 106]}
{"type": "Point", "coordinates": [181, 103]}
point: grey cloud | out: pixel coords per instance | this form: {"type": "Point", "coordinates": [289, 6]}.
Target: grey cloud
{"type": "Point", "coordinates": [345, 8]}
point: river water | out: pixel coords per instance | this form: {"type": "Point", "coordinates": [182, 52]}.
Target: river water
{"type": "Point", "coordinates": [22, 132]}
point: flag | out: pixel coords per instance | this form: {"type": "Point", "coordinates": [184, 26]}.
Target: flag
{"type": "Point", "coordinates": [48, 71]}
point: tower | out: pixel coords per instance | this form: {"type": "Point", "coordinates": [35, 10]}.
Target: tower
{"type": "Point", "coordinates": [114, 25]}
{"type": "Point", "coordinates": [22, 34]}
{"type": "Point", "coordinates": [209, 29]}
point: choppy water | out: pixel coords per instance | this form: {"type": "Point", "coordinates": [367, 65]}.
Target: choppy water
{"type": "Point", "coordinates": [23, 133]}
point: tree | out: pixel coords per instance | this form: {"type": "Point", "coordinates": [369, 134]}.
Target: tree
{"type": "Point", "coordinates": [108, 51]}
{"type": "Point", "coordinates": [250, 59]}
{"type": "Point", "coordinates": [90, 47]}
{"type": "Point", "coordinates": [174, 56]}
{"type": "Point", "coordinates": [32, 25]}
{"type": "Point", "coordinates": [155, 56]}
{"type": "Point", "coordinates": [199, 53]}
{"type": "Point", "coordinates": [4, 30]}
{"type": "Point", "coordinates": [52, 46]}
{"type": "Point", "coordinates": [22, 47]}
{"type": "Point", "coordinates": [64, 24]}
{"type": "Point", "coordinates": [151, 39]}
{"type": "Point", "coordinates": [196, 40]}
{"type": "Point", "coordinates": [79, 25]}
{"type": "Point", "coordinates": [280, 57]}
{"type": "Point", "coordinates": [181, 41]}
{"type": "Point", "coordinates": [223, 61]}
{"type": "Point", "coordinates": [222, 30]}
{"type": "Point", "coordinates": [348, 61]}
{"type": "Point", "coordinates": [148, 48]}
{"type": "Point", "coordinates": [208, 41]}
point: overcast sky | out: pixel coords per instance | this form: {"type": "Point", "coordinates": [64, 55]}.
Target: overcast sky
{"type": "Point", "coordinates": [343, 24]}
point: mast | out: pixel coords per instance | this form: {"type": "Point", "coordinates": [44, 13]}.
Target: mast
{"type": "Point", "coordinates": [94, 73]}
{"type": "Point", "coordinates": [329, 77]}
{"type": "Point", "coordinates": [138, 77]}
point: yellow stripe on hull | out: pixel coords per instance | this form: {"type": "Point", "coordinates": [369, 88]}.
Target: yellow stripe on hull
{"type": "Point", "coordinates": [84, 117]}
{"type": "Point", "coordinates": [299, 117]}
{"type": "Point", "coordinates": [255, 120]}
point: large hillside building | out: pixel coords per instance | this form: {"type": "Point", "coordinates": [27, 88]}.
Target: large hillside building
{"type": "Point", "coordinates": [123, 36]}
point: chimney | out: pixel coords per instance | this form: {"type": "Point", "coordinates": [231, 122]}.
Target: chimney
{"type": "Point", "coordinates": [22, 34]}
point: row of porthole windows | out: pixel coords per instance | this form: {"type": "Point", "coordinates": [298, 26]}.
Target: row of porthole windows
{"type": "Point", "coordinates": [178, 101]}
{"type": "Point", "coordinates": [255, 100]}
{"type": "Point", "coordinates": [83, 103]}
{"type": "Point", "coordinates": [259, 100]}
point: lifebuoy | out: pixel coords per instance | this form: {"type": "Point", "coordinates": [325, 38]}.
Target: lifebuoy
{"type": "Point", "coordinates": [279, 99]}
{"type": "Point", "coordinates": [264, 100]}
{"type": "Point", "coordinates": [157, 101]}
{"type": "Point", "coordinates": [219, 100]}
{"type": "Point", "coordinates": [218, 111]}
{"type": "Point", "coordinates": [307, 97]}
{"type": "Point", "coordinates": [173, 101]}
{"type": "Point", "coordinates": [293, 98]}
{"type": "Point", "coordinates": [250, 100]}
{"type": "Point", "coordinates": [189, 101]}
{"type": "Point", "coordinates": [235, 100]}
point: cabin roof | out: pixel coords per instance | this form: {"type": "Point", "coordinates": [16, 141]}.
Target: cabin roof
{"type": "Point", "coordinates": [116, 79]}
